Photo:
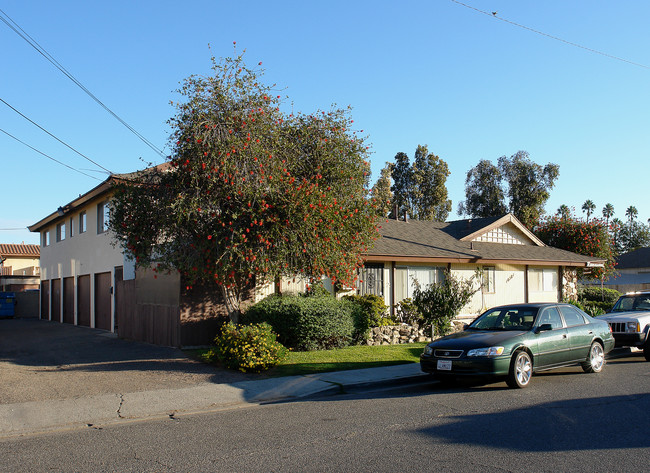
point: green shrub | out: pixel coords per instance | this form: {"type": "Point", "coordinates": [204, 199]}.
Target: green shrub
{"type": "Point", "coordinates": [407, 313]}
{"type": "Point", "coordinates": [306, 323]}
{"type": "Point", "coordinates": [598, 294]}
{"type": "Point", "coordinates": [372, 313]}
{"type": "Point", "coordinates": [246, 347]}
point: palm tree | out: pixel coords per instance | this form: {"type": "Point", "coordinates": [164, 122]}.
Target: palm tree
{"type": "Point", "coordinates": [588, 207]}
{"type": "Point", "coordinates": [608, 212]}
{"type": "Point", "coordinates": [564, 212]}
{"type": "Point", "coordinates": [631, 213]}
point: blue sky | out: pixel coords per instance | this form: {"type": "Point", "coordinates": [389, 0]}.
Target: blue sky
{"type": "Point", "coordinates": [470, 86]}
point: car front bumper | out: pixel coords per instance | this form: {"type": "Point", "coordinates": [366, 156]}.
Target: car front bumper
{"type": "Point", "coordinates": [475, 366]}
{"type": "Point", "coordinates": [629, 339]}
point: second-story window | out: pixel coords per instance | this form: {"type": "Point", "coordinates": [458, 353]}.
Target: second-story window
{"type": "Point", "coordinates": [103, 215]}
{"type": "Point", "coordinates": [82, 222]}
{"type": "Point", "coordinates": [60, 231]}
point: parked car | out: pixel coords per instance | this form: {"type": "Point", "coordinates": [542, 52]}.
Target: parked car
{"type": "Point", "coordinates": [629, 320]}
{"type": "Point", "coordinates": [515, 341]}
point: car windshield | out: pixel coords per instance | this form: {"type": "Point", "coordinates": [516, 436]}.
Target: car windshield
{"type": "Point", "coordinates": [632, 302]}
{"type": "Point", "coordinates": [505, 318]}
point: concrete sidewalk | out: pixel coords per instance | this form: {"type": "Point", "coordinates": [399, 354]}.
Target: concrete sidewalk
{"type": "Point", "coordinates": [55, 414]}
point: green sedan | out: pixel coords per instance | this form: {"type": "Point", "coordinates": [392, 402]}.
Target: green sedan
{"type": "Point", "coordinates": [515, 341]}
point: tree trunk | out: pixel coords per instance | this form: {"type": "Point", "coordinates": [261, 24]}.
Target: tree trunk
{"type": "Point", "coordinates": [232, 302]}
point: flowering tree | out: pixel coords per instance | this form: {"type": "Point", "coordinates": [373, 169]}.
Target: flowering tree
{"type": "Point", "coordinates": [586, 238]}
{"type": "Point", "coordinates": [250, 193]}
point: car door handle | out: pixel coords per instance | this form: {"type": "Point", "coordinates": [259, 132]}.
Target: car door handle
{"type": "Point", "coordinates": [591, 332]}
{"type": "Point", "coordinates": [564, 336]}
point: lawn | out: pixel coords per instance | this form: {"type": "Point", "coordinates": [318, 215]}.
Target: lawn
{"type": "Point", "coordinates": [349, 358]}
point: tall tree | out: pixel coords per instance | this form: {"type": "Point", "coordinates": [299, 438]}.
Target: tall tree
{"type": "Point", "coordinates": [608, 212]}
{"type": "Point", "coordinates": [564, 212]}
{"type": "Point", "coordinates": [429, 191]}
{"type": "Point", "coordinates": [615, 232]}
{"type": "Point", "coordinates": [631, 213]}
{"type": "Point", "coordinates": [588, 207]}
{"type": "Point", "coordinates": [402, 187]}
{"type": "Point", "coordinates": [529, 186]}
{"type": "Point", "coordinates": [253, 193]}
{"type": "Point", "coordinates": [381, 191]}
{"type": "Point", "coordinates": [484, 195]}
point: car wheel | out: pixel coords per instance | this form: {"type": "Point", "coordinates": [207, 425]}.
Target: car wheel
{"type": "Point", "coordinates": [646, 351]}
{"type": "Point", "coordinates": [521, 369]}
{"type": "Point", "coordinates": [596, 359]}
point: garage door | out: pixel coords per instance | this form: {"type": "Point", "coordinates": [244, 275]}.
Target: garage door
{"type": "Point", "coordinates": [56, 300]}
{"type": "Point", "coordinates": [83, 300]}
{"type": "Point", "coordinates": [103, 301]}
{"type": "Point", "coordinates": [68, 300]}
{"type": "Point", "coordinates": [45, 300]}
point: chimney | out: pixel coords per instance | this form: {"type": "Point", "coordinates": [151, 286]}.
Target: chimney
{"type": "Point", "coordinates": [406, 216]}
{"type": "Point", "coordinates": [395, 212]}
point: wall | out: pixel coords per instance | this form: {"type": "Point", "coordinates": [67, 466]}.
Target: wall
{"type": "Point", "coordinates": [83, 253]}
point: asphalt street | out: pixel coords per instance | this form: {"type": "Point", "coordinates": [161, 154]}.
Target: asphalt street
{"type": "Point", "coordinates": [566, 420]}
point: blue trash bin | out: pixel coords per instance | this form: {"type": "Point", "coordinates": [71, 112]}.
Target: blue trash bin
{"type": "Point", "coordinates": [7, 304]}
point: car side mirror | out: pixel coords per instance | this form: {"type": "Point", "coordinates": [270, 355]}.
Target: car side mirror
{"type": "Point", "coordinates": [544, 328]}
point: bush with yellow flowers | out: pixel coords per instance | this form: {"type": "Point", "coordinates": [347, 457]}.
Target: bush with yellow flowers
{"type": "Point", "coordinates": [247, 348]}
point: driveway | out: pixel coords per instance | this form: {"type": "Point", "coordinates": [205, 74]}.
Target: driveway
{"type": "Point", "coordinates": [42, 360]}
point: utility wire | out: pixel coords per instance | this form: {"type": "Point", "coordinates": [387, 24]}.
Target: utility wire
{"type": "Point", "coordinates": [34, 44]}
{"type": "Point", "coordinates": [47, 156]}
{"type": "Point", "coordinates": [495, 15]}
{"type": "Point", "coordinates": [57, 139]}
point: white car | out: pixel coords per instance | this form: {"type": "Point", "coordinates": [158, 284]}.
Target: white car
{"type": "Point", "coordinates": [630, 321]}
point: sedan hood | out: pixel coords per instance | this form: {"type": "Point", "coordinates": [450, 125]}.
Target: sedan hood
{"type": "Point", "coordinates": [478, 338]}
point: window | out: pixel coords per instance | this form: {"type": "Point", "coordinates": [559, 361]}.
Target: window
{"type": "Point", "coordinates": [46, 238]}
{"type": "Point", "coordinates": [82, 222]}
{"type": "Point", "coordinates": [71, 227]}
{"type": "Point", "coordinates": [103, 215]}
{"type": "Point", "coordinates": [489, 273]}
{"type": "Point", "coordinates": [60, 232]}
{"type": "Point", "coordinates": [406, 277]}
{"type": "Point", "coordinates": [550, 316]}
{"type": "Point", "coordinates": [571, 316]}
{"type": "Point", "coordinates": [542, 279]}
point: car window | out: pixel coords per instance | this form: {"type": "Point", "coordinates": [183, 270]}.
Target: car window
{"type": "Point", "coordinates": [632, 302]}
{"type": "Point", "coordinates": [550, 315]}
{"type": "Point", "coordinates": [572, 316]}
{"type": "Point", "coordinates": [509, 318]}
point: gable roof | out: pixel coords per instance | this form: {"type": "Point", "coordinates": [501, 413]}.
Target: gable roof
{"type": "Point", "coordinates": [13, 250]}
{"type": "Point", "coordinates": [95, 193]}
{"type": "Point", "coordinates": [454, 242]}
{"type": "Point", "coordinates": [639, 258]}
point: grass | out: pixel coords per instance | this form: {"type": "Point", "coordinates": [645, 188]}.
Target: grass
{"type": "Point", "coordinates": [349, 358]}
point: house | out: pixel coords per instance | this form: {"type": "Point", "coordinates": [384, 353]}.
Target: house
{"type": "Point", "coordinates": [514, 264]}
{"type": "Point", "coordinates": [633, 272]}
{"type": "Point", "coordinates": [19, 276]}
{"type": "Point", "coordinates": [87, 280]}
{"type": "Point", "coordinates": [19, 267]}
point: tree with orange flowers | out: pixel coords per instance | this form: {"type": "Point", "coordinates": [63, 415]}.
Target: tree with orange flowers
{"type": "Point", "coordinates": [590, 238]}
{"type": "Point", "coordinates": [251, 193]}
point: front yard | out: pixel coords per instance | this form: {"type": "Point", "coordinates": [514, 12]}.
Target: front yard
{"type": "Point", "coordinates": [348, 358]}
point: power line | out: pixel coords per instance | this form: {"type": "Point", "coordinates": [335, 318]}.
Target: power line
{"type": "Point", "coordinates": [47, 156]}
{"type": "Point", "coordinates": [34, 44]}
{"type": "Point", "coordinates": [541, 33]}
{"type": "Point", "coordinates": [53, 136]}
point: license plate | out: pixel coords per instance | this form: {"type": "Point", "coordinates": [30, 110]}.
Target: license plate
{"type": "Point", "coordinates": [444, 365]}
